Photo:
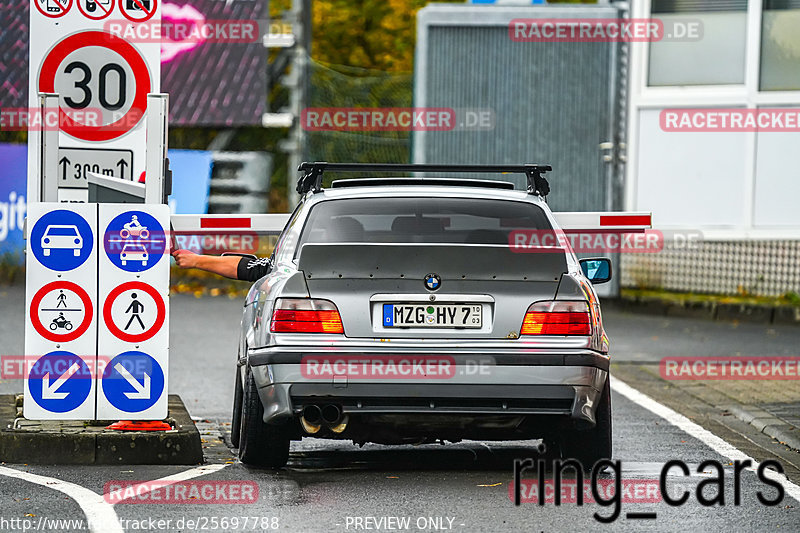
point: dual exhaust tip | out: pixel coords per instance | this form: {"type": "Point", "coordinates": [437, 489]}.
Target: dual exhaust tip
{"type": "Point", "coordinates": [330, 415]}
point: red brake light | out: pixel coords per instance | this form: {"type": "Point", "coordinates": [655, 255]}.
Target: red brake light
{"type": "Point", "coordinates": [557, 318]}
{"type": "Point", "coordinates": [304, 315]}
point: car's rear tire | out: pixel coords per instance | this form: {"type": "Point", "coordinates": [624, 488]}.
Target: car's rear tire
{"type": "Point", "coordinates": [236, 416]}
{"type": "Point", "coordinates": [260, 444]}
{"type": "Point", "coordinates": [592, 445]}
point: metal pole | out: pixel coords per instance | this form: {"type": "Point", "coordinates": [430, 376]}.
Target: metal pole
{"type": "Point", "coordinates": [48, 148]}
{"type": "Point", "coordinates": [156, 147]}
{"type": "Point", "coordinates": [298, 82]}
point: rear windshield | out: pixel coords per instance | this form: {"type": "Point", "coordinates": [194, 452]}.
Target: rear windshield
{"type": "Point", "coordinates": [423, 220]}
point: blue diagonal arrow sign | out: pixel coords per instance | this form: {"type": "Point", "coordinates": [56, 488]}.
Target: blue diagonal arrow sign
{"type": "Point", "coordinates": [133, 381]}
{"type": "Point", "coordinates": [60, 381]}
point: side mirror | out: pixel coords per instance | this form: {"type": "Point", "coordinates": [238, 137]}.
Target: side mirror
{"type": "Point", "coordinates": [597, 270]}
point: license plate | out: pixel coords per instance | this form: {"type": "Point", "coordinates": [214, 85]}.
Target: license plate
{"type": "Point", "coordinates": [432, 315]}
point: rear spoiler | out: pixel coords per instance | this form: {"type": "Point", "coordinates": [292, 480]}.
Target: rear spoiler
{"type": "Point", "coordinates": [273, 223]}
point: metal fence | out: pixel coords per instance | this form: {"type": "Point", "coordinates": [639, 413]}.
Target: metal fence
{"type": "Point", "coordinates": [551, 102]}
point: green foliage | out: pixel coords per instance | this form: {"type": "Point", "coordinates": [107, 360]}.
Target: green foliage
{"type": "Point", "coordinates": [12, 268]}
{"type": "Point", "coordinates": [791, 298]}
{"type": "Point", "coordinates": [350, 87]}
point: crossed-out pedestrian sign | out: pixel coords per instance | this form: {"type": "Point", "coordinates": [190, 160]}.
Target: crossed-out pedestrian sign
{"type": "Point", "coordinates": [134, 311]}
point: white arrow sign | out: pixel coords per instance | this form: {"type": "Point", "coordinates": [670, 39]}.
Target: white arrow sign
{"type": "Point", "coordinates": [142, 391]}
{"type": "Point", "coordinates": [49, 391]}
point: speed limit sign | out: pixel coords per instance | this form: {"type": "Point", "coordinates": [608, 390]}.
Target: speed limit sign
{"type": "Point", "coordinates": [99, 71]}
{"type": "Point", "coordinates": [102, 68]}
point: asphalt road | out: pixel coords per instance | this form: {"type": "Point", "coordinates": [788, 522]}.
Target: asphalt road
{"type": "Point", "coordinates": [332, 486]}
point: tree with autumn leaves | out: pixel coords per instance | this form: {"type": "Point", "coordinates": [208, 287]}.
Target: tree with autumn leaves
{"type": "Point", "coordinates": [370, 34]}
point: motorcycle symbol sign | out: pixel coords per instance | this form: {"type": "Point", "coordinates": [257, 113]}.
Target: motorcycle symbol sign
{"type": "Point", "coordinates": [135, 241]}
{"type": "Point", "coordinates": [61, 311]}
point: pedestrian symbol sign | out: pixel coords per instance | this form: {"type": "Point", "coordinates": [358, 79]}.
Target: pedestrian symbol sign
{"type": "Point", "coordinates": [133, 382]}
{"type": "Point", "coordinates": [59, 382]}
{"type": "Point", "coordinates": [134, 311]}
{"type": "Point", "coordinates": [61, 240]}
{"type": "Point", "coordinates": [135, 241]}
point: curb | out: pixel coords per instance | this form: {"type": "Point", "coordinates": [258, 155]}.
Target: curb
{"type": "Point", "coordinates": [76, 442]}
{"type": "Point", "coordinates": [710, 310]}
{"type": "Point", "coordinates": [768, 424]}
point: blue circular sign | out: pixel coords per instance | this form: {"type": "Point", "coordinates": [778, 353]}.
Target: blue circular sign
{"type": "Point", "coordinates": [134, 241]}
{"type": "Point", "coordinates": [60, 381]}
{"type": "Point", "coordinates": [61, 240]}
{"type": "Point", "coordinates": [133, 381]}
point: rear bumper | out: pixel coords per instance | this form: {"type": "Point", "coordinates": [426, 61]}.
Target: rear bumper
{"type": "Point", "coordinates": [567, 384]}
{"type": "Point", "coordinates": [492, 356]}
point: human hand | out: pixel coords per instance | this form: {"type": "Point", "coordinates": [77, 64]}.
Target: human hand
{"type": "Point", "coordinates": [185, 258]}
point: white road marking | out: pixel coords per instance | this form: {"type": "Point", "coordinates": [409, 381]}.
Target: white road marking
{"type": "Point", "coordinates": [148, 486]}
{"type": "Point", "coordinates": [714, 442]}
{"type": "Point", "coordinates": [101, 516]}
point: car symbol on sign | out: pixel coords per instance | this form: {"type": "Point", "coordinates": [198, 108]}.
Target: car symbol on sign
{"type": "Point", "coordinates": [62, 237]}
{"type": "Point", "coordinates": [134, 252]}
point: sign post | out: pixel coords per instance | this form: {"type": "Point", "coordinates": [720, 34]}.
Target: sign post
{"type": "Point", "coordinates": [97, 302]}
{"type": "Point", "coordinates": [133, 323]}
{"type": "Point", "coordinates": [61, 316]}
{"type": "Point", "coordinates": [102, 81]}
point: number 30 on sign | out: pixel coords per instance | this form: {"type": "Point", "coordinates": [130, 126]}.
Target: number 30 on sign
{"type": "Point", "coordinates": [99, 71]}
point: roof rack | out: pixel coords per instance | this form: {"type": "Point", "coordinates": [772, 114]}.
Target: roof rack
{"type": "Point", "coordinates": [368, 182]}
{"type": "Point", "coordinates": [311, 180]}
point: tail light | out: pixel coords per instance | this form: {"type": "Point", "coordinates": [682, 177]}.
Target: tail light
{"type": "Point", "coordinates": [557, 318]}
{"type": "Point", "coordinates": [304, 315]}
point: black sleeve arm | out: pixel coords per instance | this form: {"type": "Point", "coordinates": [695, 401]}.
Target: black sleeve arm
{"type": "Point", "coordinates": [253, 269]}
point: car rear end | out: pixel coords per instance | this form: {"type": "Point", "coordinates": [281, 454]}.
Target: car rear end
{"type": "Point", "coordinates": [401, 315]}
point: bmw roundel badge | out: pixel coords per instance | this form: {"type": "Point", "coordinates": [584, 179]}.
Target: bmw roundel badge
{"type": "Point", "coordinates": [433, 282]}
